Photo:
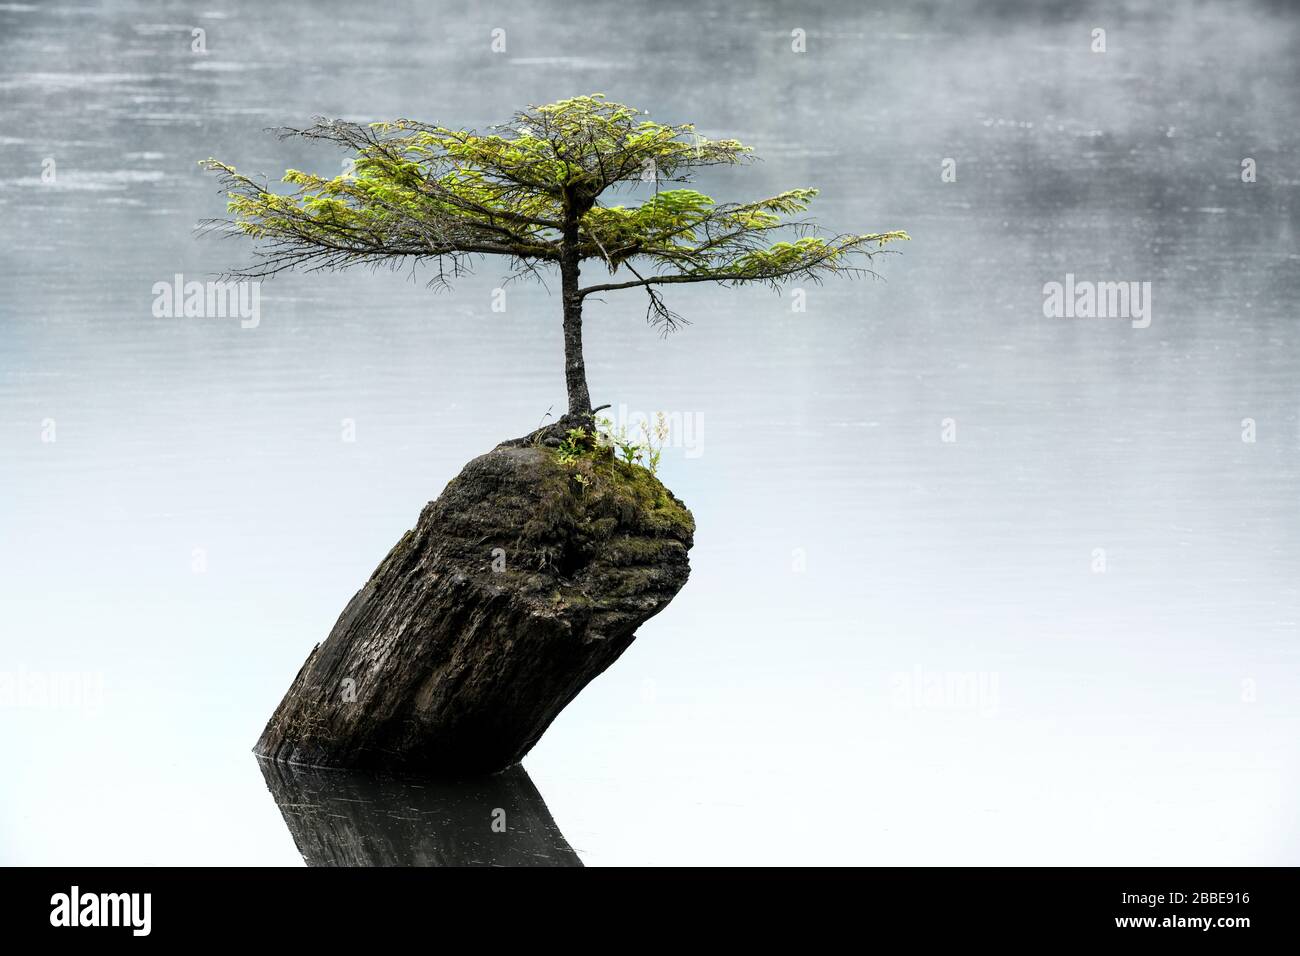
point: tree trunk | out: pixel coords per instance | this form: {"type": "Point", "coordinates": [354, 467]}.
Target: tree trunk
{"type": "Point", "coordinates": [575, 370]}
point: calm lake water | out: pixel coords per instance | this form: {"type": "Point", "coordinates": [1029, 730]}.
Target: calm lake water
{"type": "Point", "coordinates": [971, 584]}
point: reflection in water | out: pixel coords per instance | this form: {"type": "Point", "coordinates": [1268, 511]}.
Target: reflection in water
{"type": "Point", "coordinates": [339, 818]}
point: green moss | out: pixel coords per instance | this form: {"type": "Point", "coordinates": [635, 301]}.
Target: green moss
{"type": "Point", "coordinates": [635, 551]}
{"type": "Point", "coordinates": [665, 513]}
{"type": "Point", "coordinates": [634, 581]}
{"type": "Point", "coordinates": [585, 502]}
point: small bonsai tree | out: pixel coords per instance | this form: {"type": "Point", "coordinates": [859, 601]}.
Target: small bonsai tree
{"type": "Point", "coordinates": [531, 191]}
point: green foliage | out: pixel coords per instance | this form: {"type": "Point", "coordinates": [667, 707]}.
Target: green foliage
{"type": "Point", "coordinates": [628, 449]}
{"type": "Point", "coordinates": [645, 452]}
{"type": "Point", "coordinates": [653, 441]}
{"type": "Point", "coordinates": [429, 192]}
{"type": "Point", "coordinates": [576, 443]}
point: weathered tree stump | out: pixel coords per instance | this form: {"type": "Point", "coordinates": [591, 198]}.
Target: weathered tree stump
{"type": "Point", "coordinates": [525, 579]}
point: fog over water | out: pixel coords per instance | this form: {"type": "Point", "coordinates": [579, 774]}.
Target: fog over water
{"type": "Point", "coordinates": [1068, 636]}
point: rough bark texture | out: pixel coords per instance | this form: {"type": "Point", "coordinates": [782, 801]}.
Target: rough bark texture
{"type": "Point", "coordinates": [575, 366]}
{"type": "Point", "coordinates": [517, 586]}
{"type": "Point", "coordinates": [338, 818]}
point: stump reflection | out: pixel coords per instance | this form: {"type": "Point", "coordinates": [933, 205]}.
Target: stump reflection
{"type": "Point", "coordinates": [341, 818]}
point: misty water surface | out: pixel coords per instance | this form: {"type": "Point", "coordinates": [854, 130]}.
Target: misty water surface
{"type": "Point", "coordinates": [893, 648]}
